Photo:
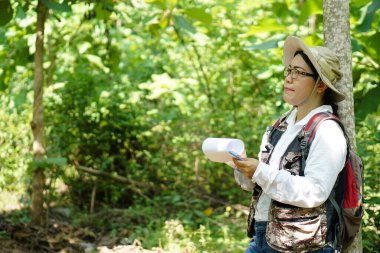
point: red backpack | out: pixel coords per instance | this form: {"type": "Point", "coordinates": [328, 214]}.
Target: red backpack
{"type": "Point", "coordinates": [349, 184]}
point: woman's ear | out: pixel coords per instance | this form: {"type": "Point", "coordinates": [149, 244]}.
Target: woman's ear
{"type": "Point", "coordinates": [322, 87]}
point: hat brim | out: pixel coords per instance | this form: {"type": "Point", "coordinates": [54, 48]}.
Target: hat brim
{"type": "Point", "coordinates": [291, 46]}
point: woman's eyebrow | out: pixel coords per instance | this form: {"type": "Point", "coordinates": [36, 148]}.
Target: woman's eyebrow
{"type": "Point", "coordinates": [297, 67]}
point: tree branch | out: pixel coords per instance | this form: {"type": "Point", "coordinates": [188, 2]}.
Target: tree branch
{"type": "Point", "coordinates": [133, 185]}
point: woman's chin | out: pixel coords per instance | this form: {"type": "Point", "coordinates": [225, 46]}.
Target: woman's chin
{"type": "Point", "coordinates": [288, 100]}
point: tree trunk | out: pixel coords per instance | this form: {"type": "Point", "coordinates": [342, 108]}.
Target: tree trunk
{"type": "Point", "coordinates": [37, 124]}
{"type": "Point", "coordinates": [336, 28]}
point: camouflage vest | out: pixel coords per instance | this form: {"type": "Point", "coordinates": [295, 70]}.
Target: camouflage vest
{"type": "Point", "coordinates": [291, 228]}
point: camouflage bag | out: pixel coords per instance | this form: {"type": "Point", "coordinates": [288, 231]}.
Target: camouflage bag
{"type": "Point", "coordinates": [294, 229]}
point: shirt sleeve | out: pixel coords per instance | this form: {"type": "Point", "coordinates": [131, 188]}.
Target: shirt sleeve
{"type": "Point", "coordinates": [243, 181]}
{"type": "Point", "coordinates": [240, 178]}
{"type": "Point", "coordinates": [327, 156]}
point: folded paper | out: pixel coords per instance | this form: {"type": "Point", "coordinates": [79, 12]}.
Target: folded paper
{"type": "Point", "coordinates": [217, 149]}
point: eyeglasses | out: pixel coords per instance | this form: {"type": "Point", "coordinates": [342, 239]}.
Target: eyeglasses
{"type": "Point", "coordinates": [295, 72]}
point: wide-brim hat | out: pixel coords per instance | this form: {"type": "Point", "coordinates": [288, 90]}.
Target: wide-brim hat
{"type": "Point", "coordinates": [323, 59]}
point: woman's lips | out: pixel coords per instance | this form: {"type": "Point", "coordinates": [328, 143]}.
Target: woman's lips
{"type": "Point", "coordinates": [288, 89]}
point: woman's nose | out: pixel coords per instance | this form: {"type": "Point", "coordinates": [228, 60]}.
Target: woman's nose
{"type": "Point", "coordinates": [289, 78]}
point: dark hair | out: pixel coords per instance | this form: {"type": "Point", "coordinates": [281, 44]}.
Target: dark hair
{"type": "Point", "coordinates": [328, 98]}
{"type": "Point", "coordinates": [308, 62]}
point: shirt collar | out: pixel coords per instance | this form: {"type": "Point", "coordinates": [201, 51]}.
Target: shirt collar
{"type": "Point", "coordinates": [292, 116]}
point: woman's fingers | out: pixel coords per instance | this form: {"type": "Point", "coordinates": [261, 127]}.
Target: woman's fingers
{"type": "Point", "coordinates": [247, 166]}
{"type": "Point", "coordinates": [231, 164]}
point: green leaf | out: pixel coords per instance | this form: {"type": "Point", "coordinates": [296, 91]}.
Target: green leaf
{"type": "Point", "coordinates": [158, 3]}
{"type": "Point", "coordinates": [360, 2]}
{"type": "Point", "coordinates": [25, 7]}
{"type": "Point", "coordinates": [20, 98]}
{"type": "Point", "coordinates": [6, 12]}
{"type": "Point", "coordinates": [102, 12]}
{"type": "Point", "coordinates": [182, 23]}
{"type": "Point", "coordinates": [370, 12]}
{"type": "Point", "coordinates": [59, 161]}
{"type": "Point", "coordinates": [172, 3]}
{"type": "Point", "coordinates": [267, 25]}
{"type": "Point", "coordinates": [310, 8]}
{"type": "Point", "coordinates": [154, 28]}
{"type": "Point", "coordinates": [48, 162]}
{"type": "Point", "coordinates": [62, 7]}
{"type": "Point", "coordinates": [97, 61]}
{"type": "Point", "coordinates": [371, 46]}
{"type": "Point", "coordinates": [265, 45]}
{"type": "Point", "coordinates": [199, 14]}
{"type": "Point", "coordinates": [355, 44]}
{"type": "Point", "coordinates": [20, 13]}
{"type": "Point", "coordinates": [369, 103]}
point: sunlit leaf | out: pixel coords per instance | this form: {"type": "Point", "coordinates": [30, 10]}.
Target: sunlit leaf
{"type": "Point", "coordinates": [360, 2]}
{"type": "Point", "coordinates": [267, 25]}
{"type": "Point", "coordinates": [172, 3]}
{"type": "Point", "coordinates": [82, 48]}
{"type": "Point", "coordinates": [102, 12]}
{"type": "Point", "coordinates": [182, 23]}
{"type": "Point", "coordinates": [164, 22]}
{"type": "Point", "coordinates": [265, 45]}
{"type": "Point", "coordinates": [370, 12]}
{"type": "Point", "coordinates": [199, 14]}
{"type": "Point", "coordinates": [310, 8]}
{"type": "Point", "coordinates": [159, 3]}
{"type": "Point", "coordinates": [97, 61]}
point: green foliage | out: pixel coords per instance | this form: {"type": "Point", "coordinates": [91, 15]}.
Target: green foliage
{"type": "Point", "coordinates": [61, 7]}
{"type": "Point", "coordinates": [185, 224]}
{"type": "Point", "coordinates": [6, 12]}
{"type": "Point", "coordinates": [310, 8]}
{"type": "Point", "coordinates": [133, 88]}
{"type": "Point", "coordinates": [15, 139]}
{"type": "Point", "coordinates": [369, 13]}
{"type": "Point", "coordinates": [369, 148]}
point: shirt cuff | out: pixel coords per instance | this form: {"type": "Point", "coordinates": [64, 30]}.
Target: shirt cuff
{"type": "Point", "coordinates": [243, 181]}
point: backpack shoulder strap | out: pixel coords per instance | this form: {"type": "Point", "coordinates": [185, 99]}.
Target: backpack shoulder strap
{"type": "Point", "coordinates": [311, 127]}
{"type": "Point", "coordinates": [309, 130]}
{"type": "Point", "coordinates": [308, 133]}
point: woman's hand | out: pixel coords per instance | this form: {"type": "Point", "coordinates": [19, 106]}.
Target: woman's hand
{"type": "Point", "coordinates": [232, 164]}
{"type": "Point", "coordinates": [247, 166]}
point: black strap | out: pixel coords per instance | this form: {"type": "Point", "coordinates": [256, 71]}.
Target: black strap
{"type": "Point", "coordinates": [338, 231]}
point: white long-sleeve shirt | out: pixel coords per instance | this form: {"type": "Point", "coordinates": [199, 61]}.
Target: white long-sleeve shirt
{"type": "Point", "coordinates": [325, 160]}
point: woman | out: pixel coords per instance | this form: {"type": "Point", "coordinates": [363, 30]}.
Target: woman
{"type": "Point", "coordinates": [292, 213]}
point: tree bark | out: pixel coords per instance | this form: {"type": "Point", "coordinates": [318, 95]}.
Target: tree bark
{"type": "Point", "coordinates": [37, 124]}
{"type": "Point", "coordinates": [336, 28]}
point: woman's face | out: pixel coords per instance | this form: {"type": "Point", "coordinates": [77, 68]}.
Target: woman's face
{"type": "Point", "coordinates": [298, 90]}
